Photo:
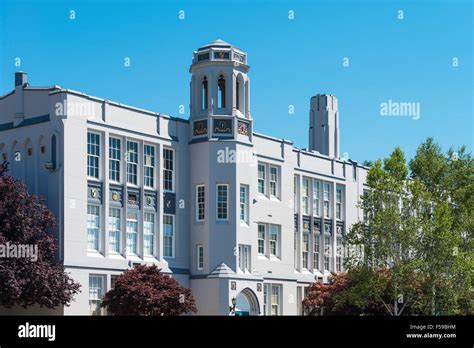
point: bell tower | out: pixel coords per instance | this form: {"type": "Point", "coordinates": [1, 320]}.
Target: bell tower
{"type": "Point", "coordinates": [220, 92]}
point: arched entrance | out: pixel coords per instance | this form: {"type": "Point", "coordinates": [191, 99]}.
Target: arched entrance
{"type": "Point", "coordinates": [247, 303]}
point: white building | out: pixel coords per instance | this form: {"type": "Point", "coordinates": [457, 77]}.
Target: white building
{"type": "Point", "coordinates": [228, 212]}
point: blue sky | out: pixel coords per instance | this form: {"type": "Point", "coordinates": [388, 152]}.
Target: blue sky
{"type": "Point", "coordinates": [405, 60]}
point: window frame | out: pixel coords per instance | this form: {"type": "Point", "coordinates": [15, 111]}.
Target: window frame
{"type": "Point", "coordinates": [166, 170]}
{"type": "Point", "coordinates": [200, 205]}
{"type": "Point", "coordinates": [98, 228]}
{"type": "Point", "coordinates": [90, 155]}
{"type": "Point", "coordinates": [172, 236]}
{"type": "Point", "coordinates": [226, 218]}
{"type": "Point", "coordinates": [117, 159]}
{"type": "Point", "coordinates": [115, 231]}
{"type": "Point", "coordinates": [200, 257]}
{"type": "Point", "coordinates": [147, 178]}
{"type": "Point", "coordinates": [128, 232]}
{"type": "Point", "coordinates": [261, 180]}
{"type": "Point", "coordinates": [130, 164]}
{"type": "Point", "coordinates": [276, 181]}
{"type": "Point", "coordinates": [244, 206]}
{"type": "Point", "coordinates": [100, 294]}
{"type": "Point", "coordinates": [152, 234]}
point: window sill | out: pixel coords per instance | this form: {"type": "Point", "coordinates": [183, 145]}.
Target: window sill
{"type": "Point", "coordinates": [243, 224]}
{"type": "Point", "coordinates": [223, 222]}
{"type": "Point", "coordinates": [275, 199]}
{"type": "Point", "coordinates": [262, 257]}
{"type": "Point", "coordinates": [262, 196]}
{"type": "Point", "coordinates": [115, 255]}
{"type": "Point", "coordinates": [133, 257]}
{"type": "Point", "coordinates": [274, 258]}
{"type": "Point", "coordinates": [150, 258]}
{"type": "Point", "coordinates": [95, 253]}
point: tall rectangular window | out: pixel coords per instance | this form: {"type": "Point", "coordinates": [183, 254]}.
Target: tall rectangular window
{"type": "Point", "coordinates": [168, 169]}
{"type": "Point", "coordinates": [274, 240]}
{"type": "Point", "coordinates": [316, 248]}
{"type": "Point", "coordinates": [149, 233]}
{"type": "Point", "coordinates": [273, 181]}
{"type": "Point", "coordinates": [244, 201]}
{"type": "Point", "coordinates": [305, 196]}
{"type": "Point", "coordinates": [149, 166]}
{"type": "Point", "coordinates": [93, 155]}
{"type": "Point", "coordinates": [93, 227]}
{"type": "Point", "coordinates": [327, 197]}
{"type": "Point", "coordinates": [132, 231]}
{"type": "Point", "coordinates": [200, 257]}
{"type": "Point", "coordinates": [339, 254]}
{"type": "Point", "coordinates": [261, 239]}
{"type": "Point", "coordinates": [295, 194]}
{"type": "Point", "coordinates": [96, 293]}
{"type": "Point", "coordinates": [261, 178]}
{"type": "Point", "coordinates": [244, 258]}
{"type": "Point", "coordinates": [200, 203]}
{"type": "Point", "coordinates": [265, 299]}
{"type": "Point", "coordinates": [132, 162]}
{"type": "Point", "coordinates": [168, 235]}
{"type": "Point", "coordinates": [305, 250]}
{"type": "Point", "coordinates": [327, 252]}
{"type": "Point", "coordinates": [315, 198]}
{"type": "Point", "coordinates": [115, 153]}
{"type": "Point", "coordinates": [114, 230]}
{"type": "Point", "coordinates": [275, 300]}
{"type": "Point", "coordinates": [338, 202]}
{"type": "Point", "coordinates": [222, 202]}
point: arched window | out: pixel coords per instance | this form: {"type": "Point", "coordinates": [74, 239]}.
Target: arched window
{"type": "Point", "coordinates": [237, 96]}
{"type": "Point", "coordinates": [221, 92]}
{"type": "Point", "coordinates": [204, 94]}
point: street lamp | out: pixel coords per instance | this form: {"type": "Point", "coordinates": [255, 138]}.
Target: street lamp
{"type": "Point", "coordinates": [232, 308]}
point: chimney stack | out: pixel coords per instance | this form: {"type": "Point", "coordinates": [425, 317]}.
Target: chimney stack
{"type": "Point", "coordinates": [21, 78]}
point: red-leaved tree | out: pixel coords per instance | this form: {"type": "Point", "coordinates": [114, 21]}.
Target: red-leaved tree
{"type": "Point", "coordinates": [25, 221]}
{"type": "Point", "coordinates": [144, 290]}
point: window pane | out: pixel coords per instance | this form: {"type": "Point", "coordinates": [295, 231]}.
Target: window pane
{"type": "Point", "coordinates": [114, 230]}
{"type": "Point", "coordinates": [149, 233]}
{"type": "Point", "coordinates": [168, 162]}
{"type": "Point", "coordinates": [93, 227]}
{"type": "Point", "coordinates": [168, 235]}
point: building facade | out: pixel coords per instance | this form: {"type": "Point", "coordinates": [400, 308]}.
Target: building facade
{"type": "Point", "coordinates": [230, 213]}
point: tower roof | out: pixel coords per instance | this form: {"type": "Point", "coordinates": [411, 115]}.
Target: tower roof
{"type": "Point", "coordinates": [218, 43]}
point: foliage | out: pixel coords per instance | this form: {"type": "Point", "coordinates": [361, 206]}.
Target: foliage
{"type": "Point", "coordinates": [144, 290]}
{"type": "Point", "coordinates": [24, 220]}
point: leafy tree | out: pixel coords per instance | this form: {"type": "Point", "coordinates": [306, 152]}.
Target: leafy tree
{"type": "Point", "coordinates": [414, 250]}
{"type": "Point", "coordinates": [24, 220]}
{"type": "Point", "coordinates": [144, 290]}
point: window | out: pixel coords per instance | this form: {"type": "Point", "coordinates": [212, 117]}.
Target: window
{"type": "Point", "coordinates": [168, 235]}
{"type": "Point", "coordinates": [305, 250]}
{"type": "Point", "coordinates": [132, 231]}
{"type": "Point", "coordinates": [305, 196]}
{"type": "Point", "coordinates": [204, 94]}
{"type": "Point", "coordinates": [168, 170]}
{"type": "Point", "coordinates": [295, 194]}
{"type": "Point", "coordinates": [149, 233]}
{"type": "Point", "coordinates": [113, 280]}
{"type": "Point", "coordinates": [271, 299]}
{"type": "Point", "coordinates": [326, 199]}
{"type": "Point", "coordinates": [200, 203]}
{"type": "Point", "coordinates": [274, 240]}
{"type": "Point", "coordinates": [315, 198]}
{"type": "Point", "coordinates": [221, 92]}
{"type": "Point", "coordinates": [316, 249]}
{"type": "Point", "coordinates": [261, 239]}
{"type": "Point", "coordinates": [222, 202]}
{"type": "Point", "coordinates": [338, 202]}
{"type": "Point", "coordinates": [243, 203]}
{"type": "Point", "coordinates": [275, 300]}
{"type": "Point", "coordinates": [96, 292]}
{"type": "Point", "coordinates": [200, 257]}
{"type": "Point", "coordinates": [132, 162]}
{"type": "Point", "coordinates": [261, 178]}
{"type": "Point", "coordinates": [93, 227]}
{"type": "Point", "coordinates": [327, 252]}
{"type": "Point", "coordinates": [93, 155]}
{"type": "Point", "coordinates": [149, 166]}
{"type": "Point", "coordinates": [339, 254]}
{"type": "Point", "coordinates": [244, 258]}
{"type": "Point", "coordinates": [273, 181]}
{"type": "Point", "coordinates": [237, 93]}
{"type": "Point", "coordinates": [114, 230]}
{"type": "Point", "coordinates": [114, 159]}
